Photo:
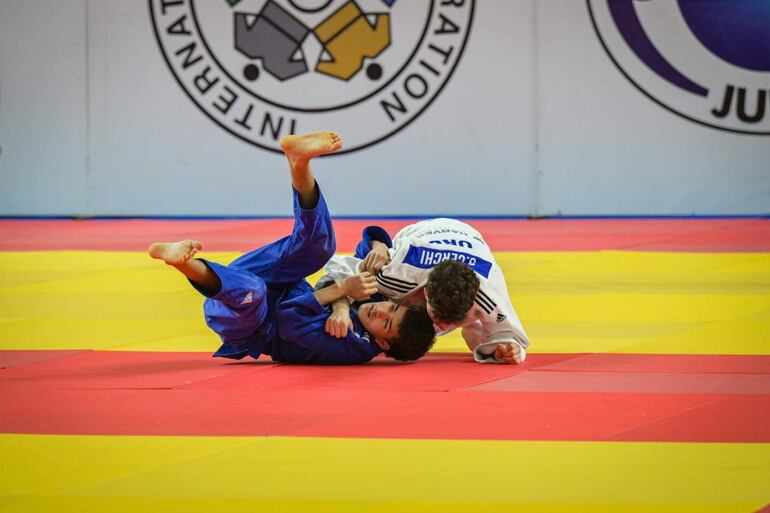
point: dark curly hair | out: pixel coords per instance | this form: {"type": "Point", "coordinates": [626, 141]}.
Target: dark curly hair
{"type": "Point", "coordinates": [416, 336]}
{"type": "Point", "coordinates": [452, 288]}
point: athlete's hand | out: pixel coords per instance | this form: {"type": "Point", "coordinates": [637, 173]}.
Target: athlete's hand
{"type": "Point", "coordinates": [376, 258]}
{"type": "Point", "coordinates": [360, 286]}
{"type": "Point", "coordinates": [338, 323]}
{"type": "Point", "coordinates": [508, 353]}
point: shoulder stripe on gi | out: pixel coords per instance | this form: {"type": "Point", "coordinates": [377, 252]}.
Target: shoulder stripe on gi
{"type": "Point", "coordinates": [390, 291]}
{"type": "Point", "coordinates": [398, 288]}
{"type": "Point", "coordinates": [393, 283]}
{"type": "Point", "coordinates": [389, 285]}
{"type": "Point", "coordinates": [487, 299]}
{"type": "Point", "coordinates": [483, 306]}
{"type": "Point", "coordinates": [396, 281]}
{"type": "Point", "coordinates": [485, 302]}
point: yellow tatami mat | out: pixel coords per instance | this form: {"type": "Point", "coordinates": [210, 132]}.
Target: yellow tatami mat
{"type": "Point", "coordinates": [274, 474]}
{"type": "Point", "coordinates": [607, 301]}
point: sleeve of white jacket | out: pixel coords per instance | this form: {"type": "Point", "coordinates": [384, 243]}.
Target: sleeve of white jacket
{"type": "Point", "coordinates": [483, 336]}
{"type": "Point", "coordinates": [337, 269]}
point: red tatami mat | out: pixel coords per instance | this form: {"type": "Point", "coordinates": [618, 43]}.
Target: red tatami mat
{"type": "Point", "coordinates": [442, 396]}
{"type": "Point", "coordinates": [655, 383]}
{"type": "Point", "coordinates": [118, 370]}
{"type": "Point", "coordinates": [670, 363]}
{"type": "Point", "coordinates": [696, 235]}
{"type": "Point", "coordinates": [747, 419]}
{"type": "Point", "coordinates": [16, 358]}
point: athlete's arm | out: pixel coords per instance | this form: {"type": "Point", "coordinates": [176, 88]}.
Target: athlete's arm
{"type": "Point", "coordinates": [498, 342]}
{"type": "Point", "coordinates": [377, 257]}
{"type": "Point", "coordinates": [337, 269]}
{"type": "Point", "coordinates": [339, 323]}
{"type": "Point", "coordinates": [359, 287]}
{"type": "Point", "coordinates": [300, 325]}
{"type": "Point", "coordinates": [510, 352]}
{"type": "Point", "coordinates": [372, 234]}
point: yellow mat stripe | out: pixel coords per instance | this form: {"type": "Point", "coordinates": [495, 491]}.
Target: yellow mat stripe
{"type": "Point", "coordinates": [607, 301]}
{"type": "Point", "coordinates": [119, 473]}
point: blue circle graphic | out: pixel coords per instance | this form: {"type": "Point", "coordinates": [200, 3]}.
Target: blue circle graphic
{"type": "Point", "coordinates": [737, 31]}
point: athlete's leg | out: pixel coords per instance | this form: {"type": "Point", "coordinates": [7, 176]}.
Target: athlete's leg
{"type": "Point", "coordinates": [237, 300]}
{"type": "Point", "coordinates": [180, 256]}
{"type": "Point", "coordinates": [312, 241]}
{"type": "Point", "coordinates": [299, 150]}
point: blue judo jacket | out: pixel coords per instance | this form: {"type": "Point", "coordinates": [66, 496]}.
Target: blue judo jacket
{"type": "Point", "coordinates": [301, 338]}
{"type": "Point", "coordinates": [286, 323]}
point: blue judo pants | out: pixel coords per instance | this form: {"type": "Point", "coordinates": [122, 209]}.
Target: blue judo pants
{"type": "Point", "coordinates": [240, 313]}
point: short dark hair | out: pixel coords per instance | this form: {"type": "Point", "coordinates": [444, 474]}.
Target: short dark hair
{"type": "Point", "coordinates": [452, 288]}
{"type": "Point", "coordinates": [416, 336]}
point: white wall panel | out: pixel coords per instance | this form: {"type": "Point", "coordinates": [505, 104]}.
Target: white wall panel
{"type": "Point", "coordinates": [155, 153]}
{"type": "Point", "coordinates": [608, 149]}
{"type": "Point", "coordinates": [536, 120]}
{"type": "Point", "coordinates": [43, 115]}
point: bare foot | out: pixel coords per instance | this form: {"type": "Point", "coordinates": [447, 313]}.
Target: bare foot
{"type": "Point", "coordinates": [174, 253]}
{"type": "Point", "coordinates": [306, 146]}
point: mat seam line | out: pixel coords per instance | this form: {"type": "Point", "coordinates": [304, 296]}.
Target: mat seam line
{"type": "Point", "coordinates": [664, 417]}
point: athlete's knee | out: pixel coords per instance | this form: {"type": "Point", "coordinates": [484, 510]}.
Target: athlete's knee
{"type": "Point", "coordinates": [241, 288]}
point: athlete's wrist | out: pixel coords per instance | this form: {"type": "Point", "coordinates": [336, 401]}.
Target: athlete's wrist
{"type": "Point", "coordinates": [341, 305]}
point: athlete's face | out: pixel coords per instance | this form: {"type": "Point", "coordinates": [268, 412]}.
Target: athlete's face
{"type": "Point", "coordinates": [382, 319]}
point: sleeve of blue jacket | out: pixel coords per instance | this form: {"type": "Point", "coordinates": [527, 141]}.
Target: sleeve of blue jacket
{"type": "Point", "coordinates": [369, 234]}
{"type": "Point", "coordinates": [300, 322]}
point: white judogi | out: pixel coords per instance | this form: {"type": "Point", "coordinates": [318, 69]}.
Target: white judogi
{"type": "Point", "coordinates": [416, 249]}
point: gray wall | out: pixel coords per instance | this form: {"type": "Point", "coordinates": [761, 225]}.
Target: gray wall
{"type": "Point", "coordinates": [535, 120]}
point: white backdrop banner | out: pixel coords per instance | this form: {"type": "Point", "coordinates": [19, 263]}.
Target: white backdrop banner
{"type": "Point", "coordinates": [447, 107]}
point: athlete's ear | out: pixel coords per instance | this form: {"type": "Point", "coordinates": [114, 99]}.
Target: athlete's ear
{"type": "Point", "coordinates": [425, 293]}
{"type": "Point", "coordinates": [382, 343]}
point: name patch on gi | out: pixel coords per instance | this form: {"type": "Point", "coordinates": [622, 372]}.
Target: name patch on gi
{"type": "Point", "coordinates": [425, 258]}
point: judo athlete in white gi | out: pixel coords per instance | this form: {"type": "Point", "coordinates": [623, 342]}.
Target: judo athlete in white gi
{"type": "Point", "coordinates": [261, 303]}
{"type": "Point", "coordinates": [403, 267]}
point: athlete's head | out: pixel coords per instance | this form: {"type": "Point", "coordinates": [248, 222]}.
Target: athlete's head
{"type": "Point", "coordinates": [450, 291]}
{"type": "Point", "coordinates": [403, 333]}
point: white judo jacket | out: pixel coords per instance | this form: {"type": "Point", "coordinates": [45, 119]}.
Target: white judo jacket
{"type": "Point", "coordinates": [416, 249]}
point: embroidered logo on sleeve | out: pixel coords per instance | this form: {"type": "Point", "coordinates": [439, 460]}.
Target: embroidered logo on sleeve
{"type": "Point", "coordinates": [500, 317]}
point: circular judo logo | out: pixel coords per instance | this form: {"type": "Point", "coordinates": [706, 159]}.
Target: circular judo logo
{"type": "Point", "coordinates": [705, 60]}
{"type": "Point", "coordinates": [262, 69]}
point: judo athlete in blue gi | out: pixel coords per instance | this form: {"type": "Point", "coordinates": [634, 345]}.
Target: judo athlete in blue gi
{"type": "Point", "coordinates": [262, 304]}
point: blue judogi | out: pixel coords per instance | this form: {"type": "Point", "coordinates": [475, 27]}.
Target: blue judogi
{"type": "Point", "coordinates": [266, 306]}
{"type": "Point", "coordinates": [369, 234]}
